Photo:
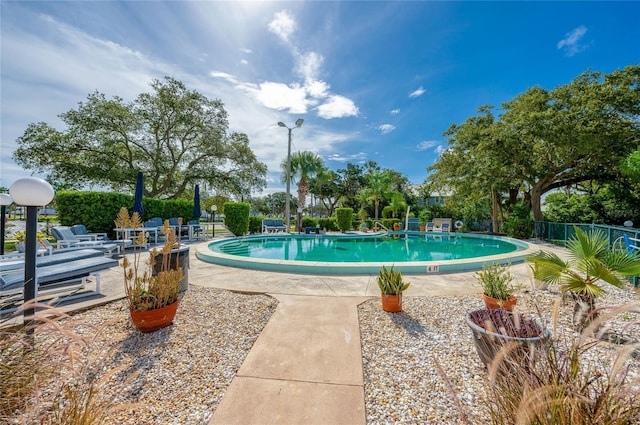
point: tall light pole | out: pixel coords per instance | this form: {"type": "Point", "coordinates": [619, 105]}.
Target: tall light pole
{"type": "Point", "coordinates": [287, 206]}
{"type": "Point", "coordinates": [5, 199]}
{"type": "Point", "coordinates": [214, 208]}
{"type": "Point", "coordinates": [32, 193]}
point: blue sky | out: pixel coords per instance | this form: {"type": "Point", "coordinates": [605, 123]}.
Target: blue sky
{"type": "Point", "coordinates": [373, 80]}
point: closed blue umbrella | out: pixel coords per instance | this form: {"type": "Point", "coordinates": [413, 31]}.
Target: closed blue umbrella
{"type": "Point", "coordinates": [137, 200]}
{"type": "Point", "coordinates": [196, 203]}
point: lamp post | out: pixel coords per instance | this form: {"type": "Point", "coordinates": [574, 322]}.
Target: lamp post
{"type": "Point", "coordinates": [287, 206]}
{"type": "Point", "coordinates": [32, 193]}
{"type": "Point", "coordinates": [214, 208]}
{"type": "Point", "coordinates": [5, 199]}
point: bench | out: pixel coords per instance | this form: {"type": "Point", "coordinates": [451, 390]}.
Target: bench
{"type": "Point", "coordinates": [60, 274]}
{"type": "Point", "coordinates": [272, 225]}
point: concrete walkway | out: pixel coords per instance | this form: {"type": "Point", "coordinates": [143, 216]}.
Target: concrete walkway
{"type": "Point", "coordinates": [305, 368]}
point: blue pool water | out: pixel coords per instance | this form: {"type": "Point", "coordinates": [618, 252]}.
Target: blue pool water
{"type": "Point", "coordinates": [411, 252]}
{"type": "Point", "coordinates": [342, 249]}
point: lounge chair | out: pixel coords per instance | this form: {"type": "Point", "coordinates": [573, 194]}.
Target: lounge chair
{"type": "Point", "coordinates": [60, 274]}
{"type": "Point", "coordinates": [66, 239]}
{"type": "Point", "coordinates": [632, 244]}
{"type": "Point", "coordinates": [446, 227]}
{"type": "Point", "coordinates": [56, 258]}
{"type": "Point", "coordinates": [81, 232]}
{"type": "Point", "coordinates": [430, 226]}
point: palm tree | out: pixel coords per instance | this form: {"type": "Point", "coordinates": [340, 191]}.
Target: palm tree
{"type": "Point", "coordinates": [303, 165]}
{"type": "Point", "coordinates": [378, 185]}
{"type": "Point", "coordinates": [590, 261]}
{"type": "Point", "coordinates": [397, 203]}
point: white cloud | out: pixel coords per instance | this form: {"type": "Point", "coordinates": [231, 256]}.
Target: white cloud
{"type": "Point", "coordinates": [223, 75]}
{"type": "Point", "coordinates": [571, 42]}
{"type": "Point", "coordinates": [338, 107]}
{"type": "Point", "coordinates": [308, 65]}
{"type": "Point", "coordinates": [394, 111]}
{"type": "Point", "coordinates": [245, 50]}
{"type": "Point", "coordinates": [427, 144]}
{"type": "Point", "coordinates": [317, 89]}
{"type": "Point", "coordinates": [357, 157]}
{"type": "Point", "coordinates": [386, 128]}
{"type": "Point", "coordinates": [244, 62]}
{"type": "Point", "coordinates": [418, 92]}
{"type": "Point", "coordinates": [282, 97]}
{"type": "Point", "coordinates": [440, 149]}
{"type": "Point", "coordinates": [283, 25]}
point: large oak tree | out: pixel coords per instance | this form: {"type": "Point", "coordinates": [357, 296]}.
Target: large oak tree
{"type": "Point", "coordinates": [176, 136]}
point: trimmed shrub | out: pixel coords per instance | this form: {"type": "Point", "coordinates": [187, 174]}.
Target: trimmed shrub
{"type": "Point", "coordinates": [309, 222]}
{"type": "Point", "coordinates": [236, 217]}
{"type": "Point", "coordinates": [255, 224]}
{"type": "Point", "coordinates": [344, 218]}
{"type": "Point", "coordinates": [387, 212]}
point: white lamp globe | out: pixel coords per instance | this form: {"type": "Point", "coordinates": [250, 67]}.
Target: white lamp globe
{"type": "Point", "coordinates": [31, 192]}
{"type": "Point", "coordinates": [628, 223]}
{"type": "Point", "coordinates": [5, 199]}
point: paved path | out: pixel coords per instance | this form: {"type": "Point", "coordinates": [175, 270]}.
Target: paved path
{"type": "Point", "coordinates": [305, 368]}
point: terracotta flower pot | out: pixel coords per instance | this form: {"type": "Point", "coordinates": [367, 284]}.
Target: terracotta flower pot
{"type": "Point", "coordinates": [152, 320]}
{"type": "Point", "coordinates": [492, 303]}
{"type": "Point", "coordinates": [396, 226]}
{"type": "Point", "coordinates": [391, 303]}
{"type": "Point", "coordinates": [423, 228]}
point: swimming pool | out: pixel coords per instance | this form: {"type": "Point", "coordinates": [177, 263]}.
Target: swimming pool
{"type": "Point", "coordinates": [410, 252]}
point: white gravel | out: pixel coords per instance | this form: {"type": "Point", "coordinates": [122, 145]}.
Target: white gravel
{"type": "Point", "coordinates": [181, 372]}
{"type": "Point", "coordinates": [176, 375]}
{"type": "Point", "coordinates": [399, 354]}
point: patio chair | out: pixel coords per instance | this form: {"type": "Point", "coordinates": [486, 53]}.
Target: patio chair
{"type": "Point", "coordinates": [446, 227]}
{"type": "Point", "coordinates": [81, 232]}
{"type": "Point", "coordinates": [196, 231]}
{"type": "Point", "coordinates": [430, 226]}
{"type": "Point", "coordinates": [180, 230]}
{"type": "Point", "coordinates": [413, 224]}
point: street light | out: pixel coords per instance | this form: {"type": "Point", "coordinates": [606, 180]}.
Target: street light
{"type": "Point", "coordinates": [287, 207]}
{"type": "Point", "coordinates": [32, 193]}
{"type": "Point", "coordinates": [214, 208]}
{"type": "Point", "coordinates": [5, 199]}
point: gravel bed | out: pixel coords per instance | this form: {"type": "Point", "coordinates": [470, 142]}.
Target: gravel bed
{"type": "Point", "coordinates": [401, 353]}
{"type": "Point", "coordinates": [179, 374]}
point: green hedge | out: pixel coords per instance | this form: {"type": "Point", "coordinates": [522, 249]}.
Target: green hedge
{"type": "Point", "coordinates": [98, 210]}
{"type": "Point", "coordinates": [236, 217]}
{"type": "Point", "coordinates": [330, 224]}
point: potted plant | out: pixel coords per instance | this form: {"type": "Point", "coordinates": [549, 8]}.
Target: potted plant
{"type": "Point", "coordinates": [152, 297]}
{"type": "Point", "coordinates": [493, 329]}
{"type": "Point", "coordinates": [497, 286]}
{"type": "Point", "coordinates": [391, 287]}
{"type": "Point", "coordinates": [590, 261]}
